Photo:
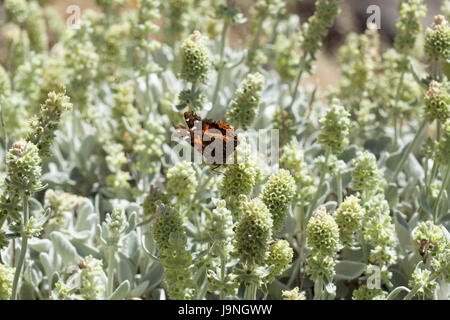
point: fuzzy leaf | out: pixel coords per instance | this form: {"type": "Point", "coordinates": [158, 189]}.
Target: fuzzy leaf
{"type": "Point", "coordinates": [121, 292]}
{"type": "Point", "coordinates": [64, 248]}
{"type": "Point", "coordinates": [348, 270]}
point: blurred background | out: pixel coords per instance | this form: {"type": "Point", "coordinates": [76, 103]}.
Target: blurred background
{"type": "Point", "coordinates": [352, 19]}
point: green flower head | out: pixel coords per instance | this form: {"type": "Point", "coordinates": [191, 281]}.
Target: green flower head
{"type": "Point", "coordinates": [253, 232]}
{"type": "Point", "coordinates": [335, 128]}
{"type": "Point", "coordinates": [437, 39]}
{"type": "Point", "coordinates": [195, 59]}
{"type": "Point", "coordinates": [6, 280]}
{"type": "Point", "coordinates": [437, 101]}
{"type": "Point", "coordinates": [277, 195]}
{"type": "Point", "coordinates": [349, 217]}
{"type": "Point", "coordinates": [322, 233]}
{"type": "Point", "coordinates": [242, 110]}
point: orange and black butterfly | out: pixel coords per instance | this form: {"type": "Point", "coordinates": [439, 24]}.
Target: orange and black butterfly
{"type": "Point", "coordinates": [215, 140]}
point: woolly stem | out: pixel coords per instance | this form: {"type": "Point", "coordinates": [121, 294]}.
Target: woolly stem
{"type": "Point", "coordinates": [297, 80]}
{"type": "Point", "coordinates": [23, 249]}
{"type": "Point", "coordinates": [339, 187]}
{"type": "Point", "coordinates": [410, 148]}
{"type": "Point", "coordinates": [443, 187]}
{"type": "Point", "coordinates": [221, 64]}
{"type": "Point", "coordinates": [316, 195]}
{"type": "Point", "coordinates": [110, 284]}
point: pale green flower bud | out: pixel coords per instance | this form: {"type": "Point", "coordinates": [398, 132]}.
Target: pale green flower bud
{"type": "Point", "coordinates": [366, 176]}
{"type": "Point", "coordinates": [171, 241]}
{"type": "Point", "coordinates": [114, 226]}
{"type": "Point", "coordinates": [280, 256]}
{"type": "Point", "coordinates": [349, 217]}
{"type": "Point", "coordinates": [318, 25]}
{"type": "Point", "coordinates": [195, 59]}
{"type": "Point", "coordinates": [437, 39]}
{"type": "Point", "coordinates": [320, 266]}
{"type": "Point", "coordinates": [6, 280]}
{"type": "Point", "coordinates": [242, 110]}
{"type": "Point", "coordinates": [36, 28]}
{"type": "Point", "coordinates": [44, 126]}
{"type": "Point", "coordinates": [182, 181]}
{"type": "Point", "coordinates": [253, 232]}
{"type": "Point", "coordinates": [293, 294]}
{"type": "Point", "coordinates": [221, 229]}
{"type": "Point", "coordinates": [335, 128]}
{"type": "Point", "coordinates": [24, 167]}
{"type": "Point", "coordinates": [92, 279]}
{"type": "Point", "coordinates": [421, 277]}
{"type": "Point", "coordinates": [408, 25]}
{"type": "Point", "coordinates": [437, 101]}
{"type": "Point", "coordinates": [277, 196]}
{"type": "Point", "coordinates": [322, 233]}
{"type": "Point", "coordinates": [427, 230]}
{"type": "Point", "coordinates": [16, 11]}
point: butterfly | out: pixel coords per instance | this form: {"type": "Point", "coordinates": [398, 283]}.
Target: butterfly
{"type": "Point", "coordinates": [215, 140]}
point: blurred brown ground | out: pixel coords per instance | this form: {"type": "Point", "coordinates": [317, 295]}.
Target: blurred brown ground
{"type": "Point", "coordinates": [352, 19]}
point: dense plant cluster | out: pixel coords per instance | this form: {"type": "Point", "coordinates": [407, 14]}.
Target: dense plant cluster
{"type": "Point", "coordinates": [95, 202]}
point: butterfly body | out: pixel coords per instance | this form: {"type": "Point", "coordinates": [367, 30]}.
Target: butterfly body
{"type": "Point", "coordinates": [215, 140]}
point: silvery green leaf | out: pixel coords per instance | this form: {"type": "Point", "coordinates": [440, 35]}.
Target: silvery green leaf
{"type": "Point", "coordinates": [99, 235]}
{"type": "Point", "coordinates": [53, 280]}
{"type": "Point", "coordinates": [40, 245]}
{"type": "Point", "coordinates": [44, 258]}
{"type": "Point", "coordinates": [394, 293]}
{"type": "Point", "coordinates": [131, 223]}
{"type": "Point", "coordinates": [140, 289]}
{"type": "Point", "coordinates": [349, 270]}
{"type": "Point", "coordinates": [402, 230]}
{"type": "Point", "coordinates": [446, 233]}
{"type": "Point", "coordinates": [27, 291]}
{"type": "Point", "coordinates": [34, 205]}
{"type": "Point", "coordinates": [64, 248]}
{"type": "Point", "coordinates": [125, 270]}
{"type": "Point", "coordinates": [392, 195]}
{"type": "Point", "coordinates": [85, 250]}
{"type": "Point", "coordinates": [330, 206]}
{"type": "Point", "coordinates": [85, 209]}
{"type": "Point", "coordinates": [154, 276]}
{"type": "Point", "coordinates": [121, 292]}
{"type": "Point", "coordinates": [267, 271]}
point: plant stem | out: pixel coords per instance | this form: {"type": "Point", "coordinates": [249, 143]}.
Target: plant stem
{"type": "Point", "coordinates": [255, 43]}
{"type": "Point", "coordinates": [250, 292]}
{"type": "Point", "coordinates": [318, 289]}
{"type": "Point", "coordinates": [319, 186]}
{"type": "Point", "coordinates": [23, 249]}
{"type": "Point", "coordinates": [297, 80]}
{"type": "Point", "coordinates": [443, 187]}
{"type": "Point", "coordinates": [397, 97]}
{"type": "Point", "coordinates": [222, 275]}
{"type": "Point", "coordinates": [339, 187]}
{"type": "Point", "coordinates": [5, 138]}
{"type": "Point", "coordinates": [221, 64]}
{"type": "Point", "coordinates": [410, 148]}
{"type": "Point", "coordinates": [110, 284]}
